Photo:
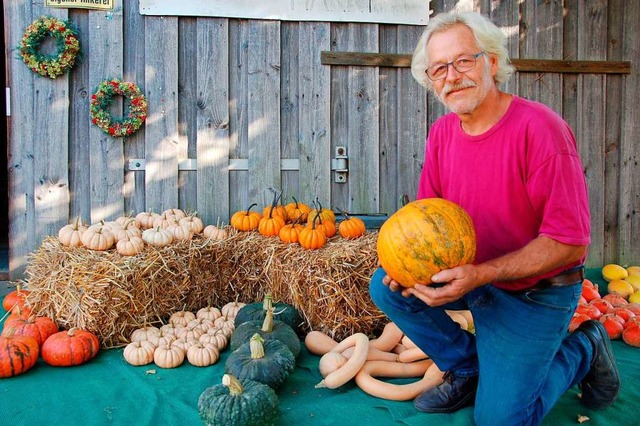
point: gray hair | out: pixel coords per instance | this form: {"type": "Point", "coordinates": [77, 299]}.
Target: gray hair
{"type": "Point", "coordinates": [489, 37]}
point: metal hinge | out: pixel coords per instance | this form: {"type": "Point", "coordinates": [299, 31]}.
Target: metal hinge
{"type": "Point", "coordinates": [340, 165]}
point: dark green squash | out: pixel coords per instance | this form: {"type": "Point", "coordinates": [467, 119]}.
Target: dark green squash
{"type": "Point", "coordinates": [269, 329]}
{"type": "Point", "coordinates": [238, 403]}
{"type": "Point", "coordinates": [281, 312]}
{"type": "Point", "coordinates": [269, 362]}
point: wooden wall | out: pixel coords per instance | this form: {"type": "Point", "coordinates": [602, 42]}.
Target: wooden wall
{"type": "Point", "coordinates": [240, 95]}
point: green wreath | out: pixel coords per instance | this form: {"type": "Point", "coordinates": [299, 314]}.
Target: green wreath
{"type": "Point", "coordinates": [66, 42]}
{"type": "Point", "coordinates": [135, 105]}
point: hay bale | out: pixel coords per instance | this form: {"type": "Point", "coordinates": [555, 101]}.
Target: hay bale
{"type": "Point", "coordinates": [111, 295]}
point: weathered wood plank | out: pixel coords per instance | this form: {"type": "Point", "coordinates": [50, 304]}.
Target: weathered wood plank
{"type": "Point", "coordinates": [134, 71]}
{"type": "Point", "coordinates": [364, 93]}
{"type": "Point", "coordinates": [629, 170]}
{"type": "Point", "coordinates": [212, 77]}
{"type": "Point", "coordinates": [314, 113]}
{"type": "Point", "coordinates": [51, 147]}
{"type": "Point", "coordinates": [106, 160]}
{"type": "Point", "coordinates": [263, 86]}
{"type": "Point", "coordinates": [162, 147]}
{"type": "Point", "coordinates": [187, 111]}
{"type": "Point", "coordinates": [614, 85]}
{"type": "Point", "coordinates": [238, 118]}
{"type": "Point", "coordinates": [403, 60]}
{"type": "Point", "coordinates": [392, 11]}
{"type": "Point", "coordinates": [79, 152]}
{"type": "Point", "coordinates": [591, 127]}
{"type": "Point", "coordinates": [390, 127]}
{"type": "Point", "coordinates": [412, 123]}
{"type": "Point", "coordinates": [289, 105]}
{"type": "Point", "coordinates": [20, 161]}
{"type": "Point", "coordinates": [339, 109]}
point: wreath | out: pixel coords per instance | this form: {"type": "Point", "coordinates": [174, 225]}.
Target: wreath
{"type": "Point", "coordinates": [135, 105]}
{"type": "Point", "coordinates": [66, 42]}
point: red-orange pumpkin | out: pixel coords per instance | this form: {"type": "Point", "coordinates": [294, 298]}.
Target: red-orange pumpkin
{"type": "Point", "coordinates": [69, 348]}
{"type": "Point", "coordinates": [17, 297]}
{"type": "Point", "coordinates": [18, 354]}
{"type": "Point", "coordinates": [423, 238]}
{"type": "Point", "coordinates": [40, 328]}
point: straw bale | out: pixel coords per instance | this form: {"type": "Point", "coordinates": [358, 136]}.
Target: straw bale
{"type": "Point", "coordinates": [111, 295]}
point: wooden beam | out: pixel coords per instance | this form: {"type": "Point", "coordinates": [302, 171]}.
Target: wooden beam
{"type": "Point", "coordinates": [521, 65]}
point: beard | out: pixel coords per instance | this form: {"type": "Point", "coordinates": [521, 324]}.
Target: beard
{"type": "Point", "coordinates": [469, 103]}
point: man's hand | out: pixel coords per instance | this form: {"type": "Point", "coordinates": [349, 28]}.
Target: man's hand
{"type": "Point", "coordinates": [457, 282]}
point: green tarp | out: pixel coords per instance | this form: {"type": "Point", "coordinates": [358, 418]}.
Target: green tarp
{"type": "Point", "coordinates": [108, 391]}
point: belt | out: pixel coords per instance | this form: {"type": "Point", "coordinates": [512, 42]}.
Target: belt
{"type": "Point", "coordinates": [569, 277]}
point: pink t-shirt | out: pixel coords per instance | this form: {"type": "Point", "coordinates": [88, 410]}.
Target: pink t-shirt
{"type": "Point", "coordinates": [519, 180]}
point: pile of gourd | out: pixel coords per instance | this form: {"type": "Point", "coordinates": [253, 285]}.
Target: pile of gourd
{"type": "Point", "coordinates": [129, 234]}
{"type": "Point", "coordinates": [264, 355]}
{"type": "Point", "coordinates": [26, 336]}
{"type": "Point", "coordinates": [199, 338]}
{"type": "Point", "coordinates": [298, 223]}
{"type": "Point", "coordinates": [391, 355]}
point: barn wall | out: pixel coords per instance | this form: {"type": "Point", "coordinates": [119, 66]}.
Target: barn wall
{"type": "Point", "coordinates": [252, 103]}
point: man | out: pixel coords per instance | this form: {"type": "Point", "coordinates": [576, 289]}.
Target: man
{"type": "Point", "coordinates": [513, 165]}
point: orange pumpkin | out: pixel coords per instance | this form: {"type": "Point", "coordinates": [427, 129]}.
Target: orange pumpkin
{"type": "Point", "coordinates": [69, 348]}
{"type": "Point", "coordinates": [423, 238]}
{"type": "Point", "coordinates": [297, 211]}
{"type": "Point", "coordinates": [270, 225]}
{"type": "Point", "coordinates": [18, 354]}
{"type": "Point", "coordinates": [351, 227]}
{"type": "Point", "coordinates": [246, 220]}
{"type": "Point", "coordinates": [312, 238]}
{"type": "Point", "coordinates": [40, 328]}
{"type": "Point", "coordinates": [17, 297]}
{"type": "Point", "coordinates": [290, 233]}
{"type": "Point", "coordinates": [326, 226]}
{"type": "Point", "coordinates": [325, 214]}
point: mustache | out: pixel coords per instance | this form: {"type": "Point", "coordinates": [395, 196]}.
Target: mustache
{"type": "Point", "coordinates": [464, 84]}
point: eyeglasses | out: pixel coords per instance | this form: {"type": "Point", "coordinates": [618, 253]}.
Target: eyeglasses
{"type": "Point", "coordinates": [464, 63]}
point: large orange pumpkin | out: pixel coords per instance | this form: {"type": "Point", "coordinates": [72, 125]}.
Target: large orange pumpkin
{"type": "Point", "coordinates": [423, 238]}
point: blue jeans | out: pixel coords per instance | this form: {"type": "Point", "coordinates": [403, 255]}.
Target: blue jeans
{"type": "Point", "coordinates": [521, 350]}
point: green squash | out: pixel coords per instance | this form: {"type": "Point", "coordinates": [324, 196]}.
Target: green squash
{"type": "Point", "coordinates": [269, 362]}
{"type": "Point", "coordinates": [238, 403]}
{"type": "Point", "coordinates": [281, 312]}
{"type": "Point", "coordinates": [269, 329]}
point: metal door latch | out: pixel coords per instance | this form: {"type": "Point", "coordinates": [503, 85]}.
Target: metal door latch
{"type": "Point", "coordinates": [340, 165]}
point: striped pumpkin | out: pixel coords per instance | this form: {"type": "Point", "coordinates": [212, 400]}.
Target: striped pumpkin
{"type": "Point", "coordinates": [423, 238]}
{"type": "Point", "coordinates": [18, 354]}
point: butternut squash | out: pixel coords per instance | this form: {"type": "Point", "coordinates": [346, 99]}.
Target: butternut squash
{"type": "Point", "coordinates": [330, 362]}
{"type": "Point", "coordinates": [319, 343]}
{"type": "Point", "coordinates": [349, 370]}
{"type": "Point", "coordinates": [411, 355]}
{"type": "Point", "coordinates": [367, 381]}
{"type": "Point", "coordinates": [390, 337]}
{"type": "Point", "coordinates": [460, 319]}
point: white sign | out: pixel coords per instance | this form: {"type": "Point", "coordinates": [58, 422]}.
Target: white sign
{"type": "Point", "coordinates": [411, 12]}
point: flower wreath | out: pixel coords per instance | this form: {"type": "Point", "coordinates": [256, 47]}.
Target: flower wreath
{"type": "Point", "coordinates": [66, 42]}
{"type": "Point", "coordinates": [102, 99]}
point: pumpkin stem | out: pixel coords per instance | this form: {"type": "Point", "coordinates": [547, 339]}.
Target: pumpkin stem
{"type": "Point", "coordinates": [234, 385]}
{"type": "Point", "coordinates": [250, 207]}
{"type": "Point", "coordinates": [267, 324]}
{"type": "Point", "coordinates": [404, 200]}
{"type": "Point", "coordinates": [256, 346]}
{"type": "Point", "coordinates": [295, 201]}
{"type": "Point", "coordinates": [267, 303]}
{"type": "Point", "coordinates": [343, 213]}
